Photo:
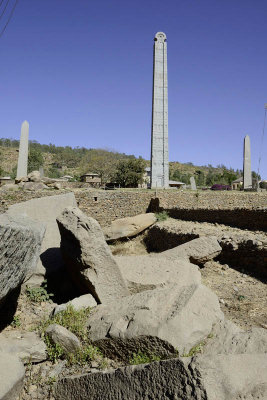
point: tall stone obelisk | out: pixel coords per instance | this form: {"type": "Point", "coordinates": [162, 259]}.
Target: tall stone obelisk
{"type": "Point", "coordinates": [159, 131]}
{"type": "Point", "coordinates": [247, 177]}
{"type": "Point", "coordinates": [23, 151]}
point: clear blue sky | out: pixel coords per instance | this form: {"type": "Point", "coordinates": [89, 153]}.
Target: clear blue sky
{"type": "Point", "coordinates": [80, 71]}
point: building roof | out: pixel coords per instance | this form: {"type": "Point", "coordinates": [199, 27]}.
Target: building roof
{"type": "Point", "coordinates": [176, 183]}
{"type": "Point", "coordinates": [90, 174]}
{"type": "Point", "coordinates": [238, 180]}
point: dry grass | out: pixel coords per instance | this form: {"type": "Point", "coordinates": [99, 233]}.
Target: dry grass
{"type": "Point", "coordinates": [130, 247]}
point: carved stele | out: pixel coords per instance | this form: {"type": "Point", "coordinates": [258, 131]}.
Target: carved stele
{"type": "Point", "coordinates": [22, 169]}
{"type": "Point", "coordinates": [247, 178]}
{"type": "Point", "coordinates": [159, 131]}
{"type": "Point", "coordinates": [193, 183]}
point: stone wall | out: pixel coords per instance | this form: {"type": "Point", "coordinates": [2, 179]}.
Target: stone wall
{"type": "Point", "coordinates": [244, 210]}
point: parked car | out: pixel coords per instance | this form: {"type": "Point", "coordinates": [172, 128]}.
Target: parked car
{"type": "Point", "coordinates": [220, 187]}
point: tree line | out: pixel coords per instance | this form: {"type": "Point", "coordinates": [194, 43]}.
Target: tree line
{"type": "Point", "coordinates": [112, 166]}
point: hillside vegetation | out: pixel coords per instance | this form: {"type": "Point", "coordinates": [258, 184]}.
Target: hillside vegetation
{"type": "Point", "coordinates": [58, 161]}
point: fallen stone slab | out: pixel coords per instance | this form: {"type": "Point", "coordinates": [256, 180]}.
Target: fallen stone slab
{"type": "Point", "coordinates": [45, 210]}
{"type": "Point", "coordinates": [20, 245]}
{"type": "Point", "coordinates": [63, 337]}
{"type": "Point", "coordinates": [33, 186]}
{"type": "Point", "coordinates": [34, 176]}
{"type": "Point", "coordinates": [11, 376]}
{"type": "Point", "coordinates": [28, 346]}
{"type": "Point", "coordinates": [221, 377]}
{"type": "Point", "coordinates": [228, 338]}
{"type": "Point", "coordinates": [129, 226]}
{"type": "Point", "coordinates": [179, 316]}
{"type": "Point", "coordinates": [198, 250]}
{"type": "Point", "coordinates": [150, 271]}
{"type": "Point", "coordinates": [88, 257]}
{"type": "Point", "coordinates": [162, 380]}
{"type": "Point", "coordinates": [78, 303]}
{"type": "Point", "coordinates": [232, 376]}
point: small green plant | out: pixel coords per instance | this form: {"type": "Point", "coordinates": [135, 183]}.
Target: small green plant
{"type": "Point", "coordinates": [142, 358]}
{"type": "Point", "coordinates": [74, 321]}
{"type": "Point", "coordinates": [16, 322]}
{"type": "Point", "coordinates": [54, 350]}
{"type": "Point", "coordinates": [71, 319]}
{"type": "Point", "coordinates": [84, 354]}
{"type": "Point", "coordinates": [162, 216]}
{"type": "Point", "coordinates": [50, 383]}
{"type": "Point", "coordinates": [241, 297]}
{"type": "Point", "coordinates": [38, 294]}
{"type": "Point", "coordinates": [195, 350]}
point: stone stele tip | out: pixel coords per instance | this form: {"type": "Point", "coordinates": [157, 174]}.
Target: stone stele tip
{"type": "Point", "coordinates": [161, 36]}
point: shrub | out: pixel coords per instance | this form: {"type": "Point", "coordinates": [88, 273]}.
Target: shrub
{"type": "Point", "coordinates": [38, 294]}
{"type": "Point", "coordinates": [71, 319]}
{"type": "Point", "coordinates": [74, 321]}
{"type": "Point", "coordinates": [162, 216]}
{"type": "Point", "coordinates": [16, 322]}
{"type": "Point", "coordinates": [142, 358]}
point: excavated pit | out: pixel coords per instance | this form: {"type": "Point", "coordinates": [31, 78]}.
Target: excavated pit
{"type": "Point", "coordinates": [243, 250]}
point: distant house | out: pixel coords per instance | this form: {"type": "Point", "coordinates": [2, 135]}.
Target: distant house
{"type": "Point", "coordinates": [146, 179]}
{"type": "Point", "coordinates": [237, 184]}
{"type": "Point", "coordinates": [92, 179]}
{"type": "Point", "coordinates": [177, 184]}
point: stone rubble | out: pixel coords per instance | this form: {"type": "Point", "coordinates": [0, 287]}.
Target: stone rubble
{"type": "Point", "coordinates": [151, 304]}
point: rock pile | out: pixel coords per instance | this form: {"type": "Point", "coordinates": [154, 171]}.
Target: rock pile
{"type": "Point", "coordinates": [144, 305]}
{"type": "Point", "coordinates": [33, 181]}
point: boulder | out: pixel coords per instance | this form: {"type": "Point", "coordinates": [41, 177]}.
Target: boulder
{"type": "Point", "coordinates": [20, 245]}
{"type": "Point", "coordinates": [34, 186]}
{"type": "Point", "coordinates": [11, 376]}
{"type": "Point", "coordinates": [48, 181]}
{"type": "Point", "coordinates": [26, 345]}
{"type": "Point", "coordinates": [88, 256]}
{"type": "Point", "coordinates": [162, 380]}
{"type": "Point", "coordinates": [198, 251]}
{"type": "Point", "coordinates": [45, 210]}
{"type": "Point", "coordinates": [9, 187]}
{"type": "Point", "coordinates": [78, 303]}
{"type": "Point", "coordinates": [57, 186]}
{"type": "Point", "coordinates": [22, 179]}
{"type": "Point", "coordinates": [228, 338]}
{"type": "Point", "coordinates": [63, 337]}
{"type": "Point", "coordinates": [128, 227]}
{"type": "Point", "coordinates": [180, 317]}
{"type": "Point", "coordinates": [232, 376]}
{"type": "Point", "coordinates": [150, 271]}
{"type": "Point", "coordinates": [34, 176]}
{"type": "Point", "coordinates": [221, 377]}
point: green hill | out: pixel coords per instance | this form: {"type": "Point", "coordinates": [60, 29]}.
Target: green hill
{"type": "Point", "coordinates": [58, 161]}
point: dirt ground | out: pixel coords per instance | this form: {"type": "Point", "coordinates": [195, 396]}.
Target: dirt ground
{"type": "Point", "coordinates": [243, 298]}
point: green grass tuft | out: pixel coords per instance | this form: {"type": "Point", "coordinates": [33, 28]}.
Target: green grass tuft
{"type": "Point", "coordinates": [162, 216]}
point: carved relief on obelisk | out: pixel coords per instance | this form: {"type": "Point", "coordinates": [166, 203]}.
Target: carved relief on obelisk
{"type": "Point", "coordinates": [159, 131]}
